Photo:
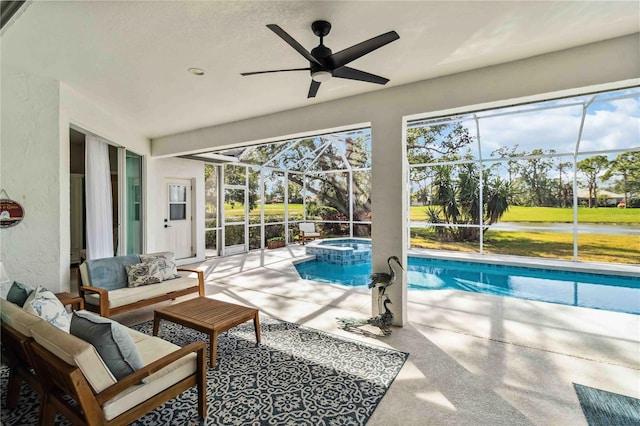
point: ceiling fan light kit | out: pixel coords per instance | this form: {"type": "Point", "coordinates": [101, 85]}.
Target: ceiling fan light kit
{"type": "Point", "coordinates": [323, 64]}
{"type": "Point", "coordinates": [321, 76]}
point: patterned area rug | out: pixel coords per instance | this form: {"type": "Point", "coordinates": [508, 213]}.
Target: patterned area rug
{"type": "Point", "coordinates": [297, 375]}
{"type": "Point", "coordinates": [607, 408]}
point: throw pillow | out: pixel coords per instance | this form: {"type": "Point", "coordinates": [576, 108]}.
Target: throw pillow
{"type": "Point", "coordinates": [111, 340]}
{"type": "Point", "coordinates": [18, 293]}
{"type": "Point", "coordinates": [46, 305]}
{"type": "Point", "coordinates": [144, 273]}
{"type": "Point", "coordinates": [167, 263]}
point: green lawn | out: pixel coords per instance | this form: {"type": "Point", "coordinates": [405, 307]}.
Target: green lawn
{"type": "Point", "coordinates": [610, 215]}
{"type": "Point", "coordinates": [604, 215]}
{"type": "Point", "coordinates": [553, 245]}
{"type": "Point", "coordinates": [269, 209]}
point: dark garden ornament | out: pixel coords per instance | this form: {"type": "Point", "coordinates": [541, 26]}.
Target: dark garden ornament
{"type": "Point", "coordinates": [379, 280]}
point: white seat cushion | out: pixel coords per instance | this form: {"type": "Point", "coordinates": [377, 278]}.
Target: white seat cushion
{"type": "Point", "coordinates": [126, 296]}
{"type": "Point", "coordinates": [151, 349]}
{"type": "Point", "coordinates": [75, 351]}
{"type": "Point", "coordinates": [308, 228]}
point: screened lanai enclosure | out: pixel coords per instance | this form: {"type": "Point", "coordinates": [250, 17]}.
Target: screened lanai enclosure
{"type": "Point", "coordinates": [260, 193]}
{"type": "Point", "coordinates": [555, 179]}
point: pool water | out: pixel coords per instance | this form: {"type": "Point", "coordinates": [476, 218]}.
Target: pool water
{"type": "Point", "coordinates": [597, 291]}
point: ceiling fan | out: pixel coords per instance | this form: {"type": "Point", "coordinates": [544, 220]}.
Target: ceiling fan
{"type": "Point", "coordinates": [323, 64]}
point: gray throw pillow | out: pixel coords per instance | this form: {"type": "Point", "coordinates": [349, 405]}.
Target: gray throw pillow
{"type": "Point", "coordinates": [167, 261]}
{"type": "Point", "coordinates": [18, 293]}
{"type": "Point", "coordinates": [111, 340]}
{"type": "Point", "coordinates": [144, 273]}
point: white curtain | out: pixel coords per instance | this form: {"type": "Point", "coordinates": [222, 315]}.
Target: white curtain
{"type": "Point", "coordinates": [98, 199]}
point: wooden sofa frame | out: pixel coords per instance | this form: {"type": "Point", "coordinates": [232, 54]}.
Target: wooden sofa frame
{"type": "Point", "coordinates": [104, 310]}
{"type": "Point", "coordinates": [16, 354]}
{"type": "Point", "coordinates": [60, 379]}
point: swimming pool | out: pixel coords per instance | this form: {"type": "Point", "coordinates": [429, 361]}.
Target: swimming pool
{"type": "Point", "coordinates": [597, 291]}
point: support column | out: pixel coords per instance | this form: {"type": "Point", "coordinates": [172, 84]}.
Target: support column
{"type": "Point", "coordinates": [389, 208]}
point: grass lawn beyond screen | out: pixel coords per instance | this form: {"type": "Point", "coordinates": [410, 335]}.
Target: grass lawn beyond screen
{"type": "Point", "coordinates": [555, 245]}
{"type": "Point", "coordinates": [611, 215]}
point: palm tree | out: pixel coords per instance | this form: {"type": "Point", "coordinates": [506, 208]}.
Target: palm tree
{"type": "Point", "coordinates": [458, 201]}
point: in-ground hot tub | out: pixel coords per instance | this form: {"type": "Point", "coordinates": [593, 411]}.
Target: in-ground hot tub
{"type": "Point", "coordinates": [341, 251]}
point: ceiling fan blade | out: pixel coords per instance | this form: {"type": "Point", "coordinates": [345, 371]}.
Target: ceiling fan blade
{"type": "Point", "coordinates": [292, 42]}
{"type": "Point", "coordinates": [266, 72]}
{"type": "Point", "coordinates": [313, 89]}
{"type": "Point", "coordinates": [354, 52]}
{"type": "Point", "coordinates": [354, 74]}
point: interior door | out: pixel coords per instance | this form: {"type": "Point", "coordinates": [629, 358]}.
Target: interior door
{"type": "Point", "coordinates": [178, 228]}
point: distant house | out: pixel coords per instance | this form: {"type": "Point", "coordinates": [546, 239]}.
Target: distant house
{"type": "Point", "coordinates": [612, 200]}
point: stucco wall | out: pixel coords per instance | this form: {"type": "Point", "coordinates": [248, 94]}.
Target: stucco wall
{"type": "Point", "coordinates": [34, 170]}
{"type": "Point", "coordinates": [30, 174]}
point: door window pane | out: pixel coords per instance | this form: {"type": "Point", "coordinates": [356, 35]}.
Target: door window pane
{"type": "Point", "coordinates": [177, 212]}
{"type": "Point", "coordinates": [177, 193]}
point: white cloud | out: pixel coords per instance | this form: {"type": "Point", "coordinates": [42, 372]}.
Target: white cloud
{"type": "Point", "coordinates": [547, 129]}
{"type": "Point", "coordinates": [606, 130]}
{"type": "Point", "coordinates": [608, 126]}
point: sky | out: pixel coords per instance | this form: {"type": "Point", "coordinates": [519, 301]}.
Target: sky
{"type": "Point", "coordinates": [609, 125]}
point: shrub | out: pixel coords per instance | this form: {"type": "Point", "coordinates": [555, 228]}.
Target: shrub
{"type": "Point", "coordinates": [634, 203]}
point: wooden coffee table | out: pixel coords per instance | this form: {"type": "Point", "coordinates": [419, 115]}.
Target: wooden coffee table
{"type": "Point", "coordinates": [208, 316]}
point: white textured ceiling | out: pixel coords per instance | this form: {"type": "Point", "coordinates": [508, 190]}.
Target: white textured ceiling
{"type": "Point", "coordinates": [132, 57]}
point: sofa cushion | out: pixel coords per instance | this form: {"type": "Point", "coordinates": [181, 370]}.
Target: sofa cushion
{"type": "Point", "coordinates": [116, 348]}
{"type": "Point", "coordinates": [169, 269]}
{"type": "Point", "coordinates": [151, 349]}
{"type": "Point", "coordinates": [74, 351]}
{"type": "Point", "coordinates": [18, 293]}
{"type": "Point", "coordinates": [144, 273]}
{"type": "Point", "coordinates": [309, 229]}
{"type": "Point", "coordinates": [46, 305]}
{"type": "Point", "coordinates": [14, 316]}
{"type": "Point", "coordinates": [109, 273]}
{"type": "Point", "coordinates": [126, 296]}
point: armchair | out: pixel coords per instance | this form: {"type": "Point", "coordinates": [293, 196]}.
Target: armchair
{"type": "Point", "coordinates": [308, 231]}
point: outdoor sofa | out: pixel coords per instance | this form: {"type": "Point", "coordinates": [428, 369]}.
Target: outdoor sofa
{"type": "Point", "coordinates": [105, 284]}
{"type": "Point", "coordinates": [59, 364]}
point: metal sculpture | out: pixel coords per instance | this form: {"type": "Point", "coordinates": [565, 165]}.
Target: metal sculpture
{"type": "Point", "coordinates": [379, 280]}
{"type": "Point", "coordinates": [382, 321]}
{"type": "Point", "coordinates": [383, 280]}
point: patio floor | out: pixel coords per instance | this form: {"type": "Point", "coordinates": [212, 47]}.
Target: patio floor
{"type": "Point", "coordinates": [474, 359]}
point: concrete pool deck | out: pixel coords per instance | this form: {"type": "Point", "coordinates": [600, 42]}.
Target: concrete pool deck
{"type": "Point", "coordinates": [474, 359]}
